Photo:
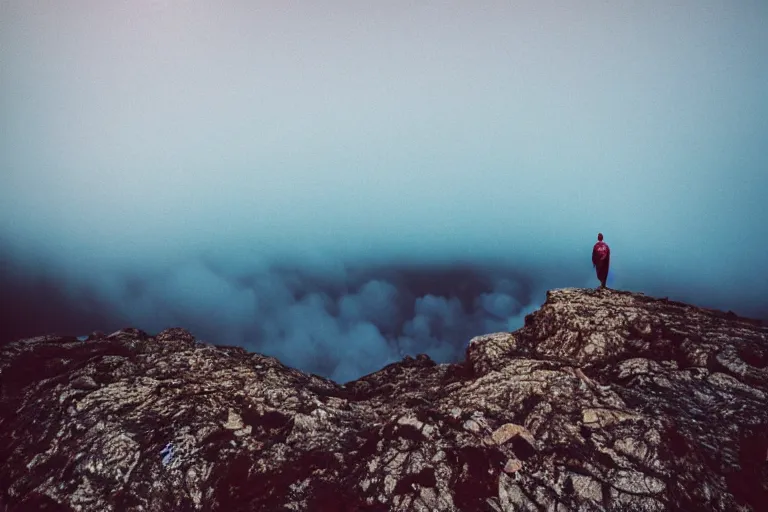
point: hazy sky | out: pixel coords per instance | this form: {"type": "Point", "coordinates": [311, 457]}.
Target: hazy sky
{"type": "Point", "coordinates": [326, 182]}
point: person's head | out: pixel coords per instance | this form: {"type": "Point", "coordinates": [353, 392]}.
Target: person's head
{"type": "Point", "coordinates": [600, 237]}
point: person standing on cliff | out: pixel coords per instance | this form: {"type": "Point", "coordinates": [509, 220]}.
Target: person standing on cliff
{"type": "Point", "coordinates": [601, 259]}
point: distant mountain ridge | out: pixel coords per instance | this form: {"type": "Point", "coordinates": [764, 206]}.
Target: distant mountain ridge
{"type": "Point", "coordinates": [604, 400]}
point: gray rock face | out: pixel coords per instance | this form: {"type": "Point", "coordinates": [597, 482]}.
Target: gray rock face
{"type": "Point", "coordinates": [605, 400]}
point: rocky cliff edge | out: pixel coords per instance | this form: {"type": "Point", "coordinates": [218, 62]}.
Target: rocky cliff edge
{"type": "Point", "coordinates": [604, 400]}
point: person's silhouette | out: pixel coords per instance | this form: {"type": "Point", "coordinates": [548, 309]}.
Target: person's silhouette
{"type": "Point", "coordinates": [601, 259]}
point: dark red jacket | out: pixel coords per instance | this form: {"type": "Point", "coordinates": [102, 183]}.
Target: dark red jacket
{"type": "Point", "coordinates": [601, 254]}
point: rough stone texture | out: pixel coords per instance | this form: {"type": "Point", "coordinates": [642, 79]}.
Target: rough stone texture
{"type": "Point", "coordinates": [605, 400]}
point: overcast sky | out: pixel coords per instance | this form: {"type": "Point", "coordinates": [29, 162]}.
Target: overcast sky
{"type": "Point", "coordinates": [342, 184]}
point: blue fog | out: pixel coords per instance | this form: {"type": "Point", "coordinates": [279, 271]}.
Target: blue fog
{"type": "Point", "coordinates": [342, 186]}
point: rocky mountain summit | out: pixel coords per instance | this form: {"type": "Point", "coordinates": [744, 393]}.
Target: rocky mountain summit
{"type": "Point", "coordinates": [604, 400]}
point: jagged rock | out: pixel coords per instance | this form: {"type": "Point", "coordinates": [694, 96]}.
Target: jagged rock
{"type": "Point", "coordinates": [604, 400]}
{"type": "Point", "coordinates": [84, 382]}
{"type": "Point", "coordinates": [513, 466]}
{"type": "Point", "coordinates": [510, 431]}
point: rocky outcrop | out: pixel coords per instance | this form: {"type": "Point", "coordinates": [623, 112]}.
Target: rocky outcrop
{"type": "Point", "coordinates": [604, 400]}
